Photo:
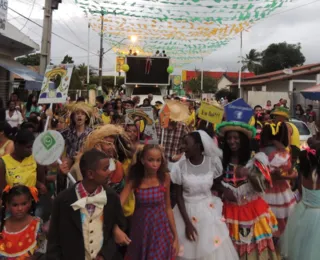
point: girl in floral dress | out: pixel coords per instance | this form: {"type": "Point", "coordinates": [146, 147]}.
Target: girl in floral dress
{"type": "Point", "coordinates": [153, 233]}
{"type": "Point", "coordinates": [202, 231]}
{"type": "Point", "coordinates": [21, 235]}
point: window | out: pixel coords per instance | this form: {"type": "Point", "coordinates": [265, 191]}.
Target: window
{"type": "Point", "coordinates": [303, 129]}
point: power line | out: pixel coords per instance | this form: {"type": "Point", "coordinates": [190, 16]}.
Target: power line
{"type": "Point", "coordinates": [57, 35]}
{"type": "Point", "coordinates": [34, 1]}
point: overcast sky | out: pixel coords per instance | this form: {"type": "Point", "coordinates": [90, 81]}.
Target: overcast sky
{"type": "Point", "coordinates": [296, 22]}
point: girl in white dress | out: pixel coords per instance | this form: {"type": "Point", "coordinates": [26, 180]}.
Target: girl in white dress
{"type": "Point", "coordinates": [201, 228]}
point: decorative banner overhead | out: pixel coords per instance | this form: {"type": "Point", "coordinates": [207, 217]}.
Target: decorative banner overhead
{"type": "Point", "coordinates": [187, 30]}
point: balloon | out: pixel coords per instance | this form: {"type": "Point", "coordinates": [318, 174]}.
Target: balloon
{"type": "Point", "coordinates": [125, 67]}
{"type": "Point", "coordinates": [170, 69]}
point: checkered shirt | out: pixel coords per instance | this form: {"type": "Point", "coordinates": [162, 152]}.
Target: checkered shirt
{"type": "Point", "coordinates": [81, 191]}
{"type": "Point", "coordinates": [73, 141]}
{"type": "Point", "coordinates": [172, 139]}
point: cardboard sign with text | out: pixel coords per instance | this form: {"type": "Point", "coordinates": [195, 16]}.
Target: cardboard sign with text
{"type": "Point", "coordinates": [238, 111]}
{"type": "Point", "coordinates": [210, 113]}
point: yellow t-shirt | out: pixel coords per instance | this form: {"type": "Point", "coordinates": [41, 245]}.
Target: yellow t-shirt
{"type": "Point", "coordinates": [128, 207]}
{"type": "Point", "coordinates": [106, 119]}
{"type": "Point", "coordinates": [24, 172]}
{"type": "Point", "coordinates": [295, 136]}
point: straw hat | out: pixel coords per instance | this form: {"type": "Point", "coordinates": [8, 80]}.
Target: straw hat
{"type": "Point", "coordinates": [178, 111]}
{"type": "Point", "coordinates": [141, 114]}
{"type": "Point", "coordinates": [84, 107]}
{"type": "Point", "coordinates": [281, 111]}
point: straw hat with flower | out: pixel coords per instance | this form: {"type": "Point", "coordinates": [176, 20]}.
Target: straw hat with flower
{"type": "Point", "coordinates": [178, 111]}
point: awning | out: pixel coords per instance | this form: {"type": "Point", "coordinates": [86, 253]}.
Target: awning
{"type": "Point", "coordinates": [33, 79]}
{"type": "Point", "coordinates": [312, 93]}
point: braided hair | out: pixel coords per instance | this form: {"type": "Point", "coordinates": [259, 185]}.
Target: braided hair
{"type": "Point", "coordinates": [7, 197]}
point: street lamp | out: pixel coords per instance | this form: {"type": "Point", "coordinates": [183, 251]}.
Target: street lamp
{"type": "Point", "coordinates": [133, 38]}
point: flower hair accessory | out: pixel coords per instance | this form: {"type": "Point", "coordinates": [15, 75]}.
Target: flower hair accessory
{"type": "Point", "coordinates": [33, 191]}
{"type": "Point", "coordinates": [310, 151]}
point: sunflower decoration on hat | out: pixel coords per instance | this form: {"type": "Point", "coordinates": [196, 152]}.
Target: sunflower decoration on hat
{"type": "Point", "coordinates": [178, 111]}
{"type": "Point", "coordinates": [238, 114]}
{"type": "Point", "coordinates": [92, 117]}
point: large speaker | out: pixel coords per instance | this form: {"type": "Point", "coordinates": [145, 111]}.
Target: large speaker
{"type": "Point", "coordinates": [147, 71]}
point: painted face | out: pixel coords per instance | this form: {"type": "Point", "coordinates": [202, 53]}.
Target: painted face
{"type": "Point", "coordinates": [152, 160]}
{"type": "Point", "coordinates": [102, 174]}
{"type": "Point", "coordinates": [132, 132]}
{"type": "Point", "coordinates": [19, 206]}
{"type": "Point", "coordinates": [189, 147]}
{"type": "Point", "coordinates": [80, 118]}
{"type": "Point", "coordinates": [233, 141]}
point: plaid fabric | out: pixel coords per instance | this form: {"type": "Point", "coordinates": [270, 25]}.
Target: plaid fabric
{"type": "Point", "coordinates": [81, 191]}
{"type": "Point", "coordinates": [172, 139]}
{"type": "Point", "coordinates": [73, 141]}
{"type": "Point", "coordinates": [150, 231]}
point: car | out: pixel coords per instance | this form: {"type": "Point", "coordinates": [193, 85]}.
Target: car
{"type": "Point", "coordinates": [304, 132]}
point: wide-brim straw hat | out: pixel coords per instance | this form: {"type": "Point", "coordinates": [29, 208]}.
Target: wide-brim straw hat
{"type": "Point", "coordinates": [178, 111]}
{"type": "Point", "coordinates": [140, 113]}
{"type": "Point", "coordinates": [225, 127]}
{"type": "Point", "coordinates": [97, 136]}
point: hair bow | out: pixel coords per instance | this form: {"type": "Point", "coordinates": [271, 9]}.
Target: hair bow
{"type": "Point", "coordinates": [33, 192]}
{"type": "Point", "coordinates": [310, 151]}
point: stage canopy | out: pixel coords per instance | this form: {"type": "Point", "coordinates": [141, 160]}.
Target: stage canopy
{"type": "Point", "coordinates": [187, 30]}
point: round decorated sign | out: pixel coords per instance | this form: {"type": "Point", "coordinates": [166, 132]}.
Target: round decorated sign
{"type": "Point", "coordinates": [48, 147]}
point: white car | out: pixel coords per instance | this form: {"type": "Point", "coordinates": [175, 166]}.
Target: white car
{"type": "Point", "coordinates": [304, 131]}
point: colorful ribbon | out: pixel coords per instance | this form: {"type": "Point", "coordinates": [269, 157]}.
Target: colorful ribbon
{"type": "Point", "coordinates": [33, 192]}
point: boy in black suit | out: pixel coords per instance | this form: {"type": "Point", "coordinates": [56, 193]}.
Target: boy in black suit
{"type": "Point", "coordinates": [83, 216]}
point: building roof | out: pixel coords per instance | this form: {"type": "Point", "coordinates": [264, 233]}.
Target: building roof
{"type": "Point", "coordinates": [279, 75]}
{"type": "Point", "coordinates": [189, 74]}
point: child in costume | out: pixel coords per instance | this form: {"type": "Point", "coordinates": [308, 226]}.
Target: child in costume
{"type": "Point", "coordinates": [21, 234]}
{"type": "Point", "coordinates": [153, 233]}
{"type": "Point", "coordinates": [82, 221]}
{"type": "Point", "coordinates": [280, 197]}
{"type": "Point", "coordinates": [302, 233]}
{"type": "Point", "coordinates": [248, 217]}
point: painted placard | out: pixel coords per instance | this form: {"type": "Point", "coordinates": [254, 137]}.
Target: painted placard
{"type": "Point", "coordinates": [164, 116]}
{"type": "Point", "coordinates": [239, 111]}
{"type": "Point", "coordinates": [57, 92]}
{"type": "Point", "coordinates": [144, 118]}
{"type": "Point", "coordinates": [48, 147]}
{"type": "Point", "coordinates": [210, 113]}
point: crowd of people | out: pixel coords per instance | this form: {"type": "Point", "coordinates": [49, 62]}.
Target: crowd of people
{"type": "Point", "coordinates": [233, 190]}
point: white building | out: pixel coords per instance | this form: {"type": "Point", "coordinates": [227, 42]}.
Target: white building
{"type": "Point", "coordinates": [285, 84]}
{"type": "Point", "coordinates": [14, 43]}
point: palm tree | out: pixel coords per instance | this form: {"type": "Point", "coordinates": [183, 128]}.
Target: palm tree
{"type": "Point", "coordinates": [252, 61]}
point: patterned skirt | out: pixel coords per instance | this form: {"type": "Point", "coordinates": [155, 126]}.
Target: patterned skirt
{"type": "Point", "coordinates": [282, 201]}
{"type": "Point", "coordinates": [251, 226]}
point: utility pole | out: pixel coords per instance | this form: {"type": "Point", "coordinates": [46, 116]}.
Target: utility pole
{"type": "Point", "coordinates": [46, 37]}
{"type": "Point", "coordinates": [101, 51]}
{"type": "Point", "coordinates": [240, 69]}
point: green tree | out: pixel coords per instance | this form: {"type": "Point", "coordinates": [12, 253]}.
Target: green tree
{"type": "Point", "coordinates": [82, 71]}
{"type": "Point", "coordinates": [210, 84]}
{"type": "Point", "coordinates": [67, 59]}
{"type": "Point", "coordinates": [30, 60]}
{"type": "Point", "coordinates": [107, 82]}
{"type": "Point", "coordinates": [252, 61]}
{"type": "Point", "coordinates": [279, 56]}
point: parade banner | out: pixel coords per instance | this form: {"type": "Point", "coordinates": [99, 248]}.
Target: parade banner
{"type": "Point", "coordinates": [57, 92]}
{"type": "Point", "coordinates": [239, 111]}
{"type": "Point", "coordinates": [143, 117]}
{"type": "Point", "coordinates": [210, 113]}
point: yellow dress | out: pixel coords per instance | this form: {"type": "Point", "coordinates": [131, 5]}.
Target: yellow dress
{"type": "Point", "coordinates": [128, 207]}
{"type": "Point", "coordinates": [24, 172]}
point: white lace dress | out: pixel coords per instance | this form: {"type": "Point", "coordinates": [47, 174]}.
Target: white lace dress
{"type": "Point", "coordinates": [204, 210]}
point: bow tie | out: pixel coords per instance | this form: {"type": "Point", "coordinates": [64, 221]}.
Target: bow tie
{"type": "Point", "coordinates": [99, 200]}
